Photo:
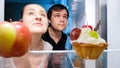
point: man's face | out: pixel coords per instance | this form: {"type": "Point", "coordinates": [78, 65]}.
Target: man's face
{"type": "Point", "coordinates": [59, 20]}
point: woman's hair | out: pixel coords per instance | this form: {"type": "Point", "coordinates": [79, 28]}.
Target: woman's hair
{"type": "Point", "coordinates": [22, 10]}
{"type": "Point", "coordinates": [56, 7]}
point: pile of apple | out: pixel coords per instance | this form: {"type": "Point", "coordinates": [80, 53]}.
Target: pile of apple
{"type": "Point", "coordinates": [75, 33]}
{"type": "Point", "coordinates": [15, 39]}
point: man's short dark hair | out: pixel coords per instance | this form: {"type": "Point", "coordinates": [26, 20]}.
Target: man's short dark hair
{"type": "Point", "coordinates": [56, 7]}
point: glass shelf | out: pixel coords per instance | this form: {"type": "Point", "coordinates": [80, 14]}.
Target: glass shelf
{"type": "Point", "coordinates": [61, 59]}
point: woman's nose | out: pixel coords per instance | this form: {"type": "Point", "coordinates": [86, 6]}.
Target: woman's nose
{"type": "Point", "coordinates": [38, 18]}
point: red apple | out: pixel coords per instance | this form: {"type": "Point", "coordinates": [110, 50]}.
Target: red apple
{"type": "Point", "coordinates": [87, 26]}
{"type": "Point", "coordinates": [15, 39]}
{"type": "Point", "coordinates": [74, 34]}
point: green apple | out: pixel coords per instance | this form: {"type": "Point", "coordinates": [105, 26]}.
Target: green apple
{"type": "Point", "coordinates": [15, 39]}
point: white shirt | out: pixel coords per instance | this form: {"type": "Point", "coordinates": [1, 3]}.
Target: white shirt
{"type": "Point", "coordinates": [9, 63]}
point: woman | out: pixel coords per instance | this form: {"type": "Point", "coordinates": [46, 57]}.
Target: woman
{"type": "Point", "coordinates": [35, 17]}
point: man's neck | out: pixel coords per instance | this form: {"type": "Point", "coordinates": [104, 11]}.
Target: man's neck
{"type": "Point", "coordinates": [54, 34]}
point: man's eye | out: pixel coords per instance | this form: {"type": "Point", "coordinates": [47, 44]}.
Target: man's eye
{"type": "Point", "coordinates": [57, 15]}
{"type": "Point", "coordinates": [65, 17]}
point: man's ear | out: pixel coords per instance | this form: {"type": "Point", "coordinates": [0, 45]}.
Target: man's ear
{"type": "Point", "coordinates": [49, 21]}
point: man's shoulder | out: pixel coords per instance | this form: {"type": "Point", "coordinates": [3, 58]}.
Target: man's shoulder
{"type": "Point", "coordinates": [64, 34]}
{"type": "Point", "coordinates": [45, 36]}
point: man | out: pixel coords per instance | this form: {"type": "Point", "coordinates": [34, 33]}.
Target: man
{"type": "Point", "coordinates": [58, 17]}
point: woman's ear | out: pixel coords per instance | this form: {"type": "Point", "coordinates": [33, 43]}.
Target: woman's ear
{"type": "Point", "coordinates": [20, 20]}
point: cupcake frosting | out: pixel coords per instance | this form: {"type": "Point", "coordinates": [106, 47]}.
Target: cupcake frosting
{"type": "Point", "coordinates": [86, 37]}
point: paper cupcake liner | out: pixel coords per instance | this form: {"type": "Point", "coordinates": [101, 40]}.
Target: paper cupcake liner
{"type": "Point", "coordinates": [89, 51]}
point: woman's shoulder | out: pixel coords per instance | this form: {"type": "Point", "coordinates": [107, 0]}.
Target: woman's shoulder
{"type": "Point", "coordinates": [47, 45]}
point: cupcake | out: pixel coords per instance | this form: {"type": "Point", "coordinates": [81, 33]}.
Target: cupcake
{"type": "Point", "coordinates": [87, 42]}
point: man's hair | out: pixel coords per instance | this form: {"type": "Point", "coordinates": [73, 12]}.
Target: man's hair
{"type": "Point", "coordinates": [56, 7]}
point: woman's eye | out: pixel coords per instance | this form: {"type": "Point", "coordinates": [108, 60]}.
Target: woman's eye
{"type": "Point", "coordinates": [30, 13]}
{"type": "Point", "coordinates": [43, 15]}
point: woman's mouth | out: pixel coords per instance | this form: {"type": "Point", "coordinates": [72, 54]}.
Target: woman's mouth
{"type": "Point", "coordinates": [37, 24]}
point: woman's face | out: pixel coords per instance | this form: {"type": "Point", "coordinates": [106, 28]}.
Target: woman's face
{"type": "Point", "coordinates": [35, 17]}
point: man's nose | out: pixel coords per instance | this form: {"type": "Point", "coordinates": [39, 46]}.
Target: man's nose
{"type": "Point", "coordinates": [62, 18]}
